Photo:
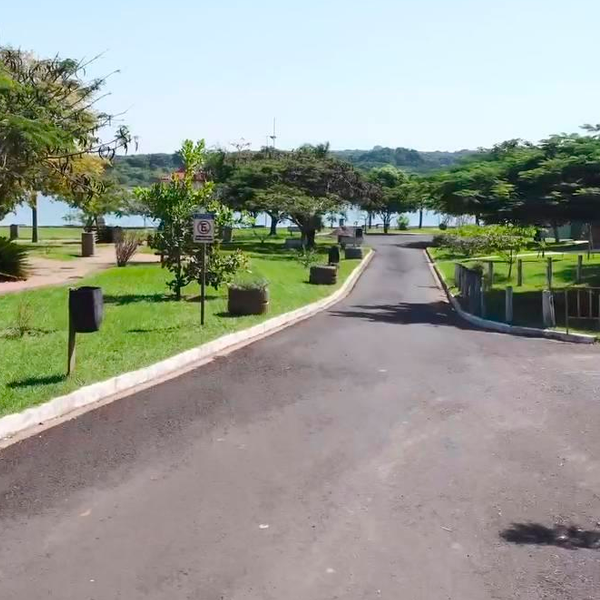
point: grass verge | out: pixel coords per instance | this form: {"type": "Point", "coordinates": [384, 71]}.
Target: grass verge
{"type": "Point", "coordinates": [142, 323]}
{"type": "Point", "coordinates": [527, 299]}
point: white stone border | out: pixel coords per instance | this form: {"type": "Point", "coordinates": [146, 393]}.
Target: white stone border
{"type": "Point", "coordinates": [20, 425]}
{"type": "Point", "coordinates": [551, 334]}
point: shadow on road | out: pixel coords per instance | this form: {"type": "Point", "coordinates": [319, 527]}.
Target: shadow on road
{"type": "Point", "coordinates": [415, 245]}
{"type": "Point", "coordinates": [432, 313]}
{"type": "Point", "coordinates": [560, 535]}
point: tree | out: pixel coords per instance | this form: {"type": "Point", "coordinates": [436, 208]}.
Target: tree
{"type": "Point", "coordinates": [394, 194]}
{"type": "Point", "coordinates": [47, 120]}
{"type": "Point", "coordinates": [173, 204]}
{"type": "Point", "coordinates": [303, 185]}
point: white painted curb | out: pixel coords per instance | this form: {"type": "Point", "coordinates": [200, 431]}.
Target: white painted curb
{"type": "Point", "coordinates": [87, 396]}
{"type": "Point", "coordinates": [550, 334]}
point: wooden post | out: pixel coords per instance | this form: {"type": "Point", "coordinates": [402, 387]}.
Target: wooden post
{"type": "Point", "coordinates": [567, 310]}
{"type": "Point", "coordinates": [508, 304]}
{"type": "Point", "coordinates": [71, 346]}
{"type": "Point", "coordinates": [490, 275]}
{"type": "Point", "coordinates": [203, 285]}
{"type": "Point", "coordinates": [549, 272]}
{"type": "Point", "coordinates": [548, 309]}
{"type": "Point", "coordinates": [519, 272]}
{"type": "Point", "coordinates": [578, 276]}
{"type": "Point", "coordinates": [482, 301]}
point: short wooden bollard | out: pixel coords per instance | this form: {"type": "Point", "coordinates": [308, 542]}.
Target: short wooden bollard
{"type": "Point", "coordinates": [490, 275]}
{"type": "Point", "coordinates": [520, 272]}
{"type": "Point", "coordinates": [578, 277]}
{"type": "Point", "coordinates": [549, 272]}
{"type": "Point", "coordinates": [548, 313]}
{"type": "Point", "coordinates": [508, 304]}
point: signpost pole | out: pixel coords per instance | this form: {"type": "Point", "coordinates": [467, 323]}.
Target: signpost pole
{"type": "Point", "coordinates": [203, 285]}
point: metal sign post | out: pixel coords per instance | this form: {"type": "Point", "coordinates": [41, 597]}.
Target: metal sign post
{"type": "Point", "coordinates": [204, 233]}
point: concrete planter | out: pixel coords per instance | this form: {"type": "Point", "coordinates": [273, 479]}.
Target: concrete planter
{"type": "Point", "coordinates": [353, 252]}
{"type": "Point", "coordinates": [323, 275]}
{"type": "Point", "coordinates": [292, 243]}
{"type": "Point", "coordinates": [247, 301]}
{"type": "Point", "coordinates": [227, 234]}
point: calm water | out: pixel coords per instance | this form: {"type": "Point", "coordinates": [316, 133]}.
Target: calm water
{"type": "Point", "coordinates": [53, 212]}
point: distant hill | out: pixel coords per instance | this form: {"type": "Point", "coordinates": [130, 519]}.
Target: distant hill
{"type": "Point", "coordinates": [146, 169]}
{"type": "Point", "coordinates": [403, 158]}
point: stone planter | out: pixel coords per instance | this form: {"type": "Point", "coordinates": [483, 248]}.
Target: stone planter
{"type": "Point", "coordinates": [292, 243]}
{"type": "Point", "coordinates": [88, 243]}
{"type": "Point", "coordinates": [323, 275]}
{"type": "Point", "coordinates": [247, 301]}
{"type": "Point", "coordinates": [353, 252]}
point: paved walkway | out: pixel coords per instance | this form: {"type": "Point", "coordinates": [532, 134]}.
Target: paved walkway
{"type": "Point", "coordinates": [379, 450]}
{"type": "Point", "coordinates": [46, 271]}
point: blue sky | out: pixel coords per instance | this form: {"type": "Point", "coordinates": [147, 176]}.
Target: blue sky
{"type": "Point", "coordinates": [428, 74]}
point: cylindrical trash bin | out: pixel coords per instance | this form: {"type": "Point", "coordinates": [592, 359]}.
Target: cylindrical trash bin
{"type": "Point", "coordinates": [86, 309]}
{"type": "Point", "coordinates": [88, 243]}
{"type": "Point", "coordinates": [227, 234]}
{"type": "Point", "coordinates": [334, 255]}
{"type": "Point", "coordinates": [14, 232]}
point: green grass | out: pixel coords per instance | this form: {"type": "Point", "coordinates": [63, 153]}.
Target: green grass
{"type": "Point", "coordinates": [45, 233]}
{"type": "Point", "coordinates": [527, 303]}
{"type": "Point", "coordinates": [142, 324]}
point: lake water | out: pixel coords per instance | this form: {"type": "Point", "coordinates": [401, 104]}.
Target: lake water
{"type": "Point", "coordinates": [51, 212]}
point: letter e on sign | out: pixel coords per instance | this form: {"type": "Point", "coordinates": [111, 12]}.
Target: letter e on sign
{"type": "Point", "coordinates": [204, 228]}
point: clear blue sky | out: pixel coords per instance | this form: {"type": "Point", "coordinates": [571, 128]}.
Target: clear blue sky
{"type": "Point", "coordinates": [428, 74]}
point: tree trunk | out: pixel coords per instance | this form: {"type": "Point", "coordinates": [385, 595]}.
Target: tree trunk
{"type": "Point", "coordinates": [370, 220]}
{"type": "Point", "coordinates": [274, 221]}
{"type": "Point", "coordinates": [556, 233]}
{"type": "Point", "coordinates": [308, 237]}
{"type": "Point", "coordinates": [34, 217]}
{"type": "Point", "coordinates": [420, 218]}
{"type": "Point", "coordinates": [477, 220]}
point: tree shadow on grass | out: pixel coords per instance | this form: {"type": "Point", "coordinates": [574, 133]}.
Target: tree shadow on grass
{"type": "Point", "coordinates": [571, 537]}
{"type": "Point", "coordinates": [31, 381]}
{"type": "Point", "coordinates": [131, 298]}
{"type": "Point", "coordinates": [12, 333]}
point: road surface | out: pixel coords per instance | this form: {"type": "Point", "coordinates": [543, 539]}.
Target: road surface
{"type": "Point", "coordinates": [380, 450]}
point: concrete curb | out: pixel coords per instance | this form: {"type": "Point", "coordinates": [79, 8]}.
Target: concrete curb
{"type": "Point", "coordinates": [550, 334]}
{"type": "Point", "coordinates": [127, 383]}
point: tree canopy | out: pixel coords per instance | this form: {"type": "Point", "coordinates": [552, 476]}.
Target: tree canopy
{"type": "Point", "coordinates": [555, 181]}
{"type": "Point", "coordinates": [48, 121]}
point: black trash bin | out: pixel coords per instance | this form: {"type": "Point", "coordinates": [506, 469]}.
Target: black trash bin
{"type": "Point", "coordinates": [86, 309]}
{"type": "Point", "coordinates": [334, 255]}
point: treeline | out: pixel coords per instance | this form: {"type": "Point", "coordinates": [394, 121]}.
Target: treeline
{"type": "Point", "coordinates": [145, 169]}
{"type": "Point", "coordinates": [402, 158]}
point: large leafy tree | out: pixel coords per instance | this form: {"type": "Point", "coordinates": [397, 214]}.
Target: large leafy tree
{"type": "Point", "coordinates": [303, 185]}
{"type": "Point", "coordinates": [393, 194]}
{"type": "Point", "coordinates": [48, 120]}
{"type": "Point", "coordinates": [555, 181]}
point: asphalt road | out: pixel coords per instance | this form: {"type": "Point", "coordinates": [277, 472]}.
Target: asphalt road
{"type": "Point", "coordinates": [378, 450]}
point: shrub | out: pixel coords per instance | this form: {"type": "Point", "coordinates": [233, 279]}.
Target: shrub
{"type": "Point", "coordinates": [403, 222]}
{"type": "Point", "coordinates": [249, 282]}
{"type": "Point", "coordinates": [23, 318]}
{"type": "Point", "coordinates": [13, 261]}
{"type": "Point", "coordinates": [443, 226]}
{"type": "Point", "coordinates": [126, 246]}
{"type": "Point", "coordinates": [307, 257]}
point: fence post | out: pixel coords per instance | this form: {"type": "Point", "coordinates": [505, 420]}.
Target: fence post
{"type": "Point", "coordinates": [490, 275]}
{"type": "Point", "coordinates": [508, 304]}
{"type": "Point", "coordinates": [548, 309]}
{"type": "Point", "coordinates": [482, 300]}
{"type": "Point", "coordinates": [519, 272]}
{"type": "Point", "coordinates": [457, 276]}
{"type": "Point", "coordinates": [549, 272]}
{"type": "Point", "coordinates": [578, 277]}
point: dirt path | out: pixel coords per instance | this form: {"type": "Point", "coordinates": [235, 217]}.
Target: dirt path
{"type": "Point", "coordinates": [46, 271]}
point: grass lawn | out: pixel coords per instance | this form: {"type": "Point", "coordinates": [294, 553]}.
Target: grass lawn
{"type": "Point", "coordinates": [527, 303]}
{"type": "Point", "coordinates": [45, 233]}
{"type": "Point", "coordinates": [142, 324]}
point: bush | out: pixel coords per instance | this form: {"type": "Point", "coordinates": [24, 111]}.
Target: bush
{"type": "Point", "coordinates": [307, 257]}
{"type": "Point", "coordinates": [443, 226]}
{"type": "Point", "coordinates": [249, 282]}
{"type": "Point", "coordinates": [126, 246]}
{"type": "Point", "coordinates": [13, 261]}
{"type": "Point", "coordinates": [403, 222]}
